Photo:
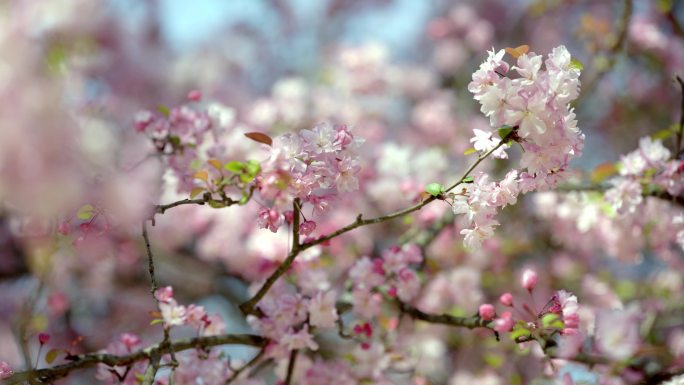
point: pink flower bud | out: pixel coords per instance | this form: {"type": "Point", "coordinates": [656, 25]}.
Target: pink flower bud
{"type": "Point", "coordinates": [307, 227]}
{"type": "Point", "coordinates": [5, 370]}
{"type": "Point", "coordinates": [63, 228]}
{"type": "Point", "coordinates": [194, 96]}
{"type": "Point", "coordinates": [504, 323]}
{"type": "Point", "coordinates": [529, 279]}
{"type": "Point", "coordinates": [506, 299]}
{"type": "Point", "coordinates": [487, 311]}
{"type": "Point", "coordinates": [43, 338]}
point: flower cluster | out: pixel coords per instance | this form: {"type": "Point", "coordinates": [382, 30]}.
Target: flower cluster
{"type": "Point", "coordinates": [287, 319]}
{"type": "Point", "coordinates": [533, 110]}
{"type": "Point", "coordinates": [559, 315]}
{"type": "Point", "coordinates": [390, 274]}
{"type": "Point", "coordinates": [649, 168]}
{"type": "Point", "coordinates": [173, 314]}
{"type": "Point", "coordinates": [5, 370]}
{"type": "Point", "coordinates": [189, 137]}
{"type": "Point", "coordinates": [537, 105]}
{"type": "Point", "coordinates": [313, 166]}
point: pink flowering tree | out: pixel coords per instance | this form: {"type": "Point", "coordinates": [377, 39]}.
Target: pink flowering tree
{"type": "Point", "coordinates": [472, 213]}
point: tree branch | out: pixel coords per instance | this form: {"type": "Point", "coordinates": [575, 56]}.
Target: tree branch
{"type": "Point", "coordinates": [680, 134]}
{"type": "Point", "coordinates": [83, 361]}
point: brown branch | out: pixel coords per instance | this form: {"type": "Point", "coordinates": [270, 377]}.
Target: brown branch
{"type": "Point", "coordinates": [445, 319]}
{"type": "Point", "coordinates": [49, 375]}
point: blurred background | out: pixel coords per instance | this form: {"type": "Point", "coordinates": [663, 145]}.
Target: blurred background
{"type": "Point", "coordinates": [74, 74]}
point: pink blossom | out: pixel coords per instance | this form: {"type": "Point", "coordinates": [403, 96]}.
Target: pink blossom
{"type": "Point", "coordinates": [195, 95]}
{"type": "Point", "coordinates": [164, 294]}
{"type": "Point", "coordinates": [196, 316]}
{"type": "Point", "coordinates": [322, 311]}
{"type": "Point", "coordinates": [5, 370]}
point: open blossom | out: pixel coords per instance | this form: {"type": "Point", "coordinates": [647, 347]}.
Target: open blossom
{"type": "Point", "coordinates": [322, 311]}
{"type": "Point", "coordinates": [172, 313]}
{"type": "Point", "coordinates": [565, 304]}
{"type": "Point", "coordinates": [625, 195]}
{"type": "Point", "coordinates": [617, 332]}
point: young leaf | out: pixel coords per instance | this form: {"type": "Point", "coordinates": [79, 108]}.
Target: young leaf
{"type": "Point", "coordinates": [253, 167]}
{"type": "Point", "coordinates": [518, 51]}
{"type": "Point", "coordinates": [85, 212]}
{"type": "Point", "coordinates": [216, 204]}
{"type": "Point", "coordinates": [235, 166]}
{"type": "Point", "coordinates": [469, 151]}
{"type": "Point", "coordinates": [468, 179]}
{"type": "Point", "coordinates": [504, 131]}
{"type": "Point", "coordinates": [164, 110]}
{"type": "Point", "coordinates": [576, 64]}
{"type": "Point", "coordinates": [156, 321]}
{"type": "Point", "coordinates": [201, 175]}
{"type": "Point", "coordinates": [215, 163]}
{"type": "Point", "coordinates": [51, 355]}
{"type": "Point", "coordinates": [260, 137]}
{"type": "Point", "coordinates": [603, 172]}
{"type": "Point", "coordinates": [434, 189]}
{"type": "Point", "coordinates": [195, 192]}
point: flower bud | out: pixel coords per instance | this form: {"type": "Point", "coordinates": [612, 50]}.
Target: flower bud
{"type": "Point", "coordinates": [506, 299]}
{"type": "Point", "coordinates": [43, 338]}
{"type": "Point", "coordinates": [487, 311]}
{"type": "Point", "coordinates": [529, 279]}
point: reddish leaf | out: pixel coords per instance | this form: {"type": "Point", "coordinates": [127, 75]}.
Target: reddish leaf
{"type": "Point", "coordinates": [260, 137]}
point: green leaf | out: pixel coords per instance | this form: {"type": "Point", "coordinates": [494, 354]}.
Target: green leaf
{"type": "Point", "coordinates": [246, 178]}
{"type": "Point", "coordinates": [85, 212]}
{"type": "Point", "coordinates": [51, 355]}
{"type": "Point", "coordinates": [468, 179]}
{"type": "Point", "coordinates": [666, 133]}
{"type": "Point", "coordinates": [175, 141]}
{"type": "Point", "coordinates": [504, 131]}
{"type": "Point", "coordinates": [518, 332]}
{"type": "Point", "coordinates": [235, 166]}
{"type": "Point", "coordinates": [253, 167]}
{"type": "Point", "coordinates": [469, 151]}
{"type": "Point", "coordinates": [551, 320]}
{"type": "Point", "coordinates": [164, 110]}
{"type": "Point", "coordinates": [434, 189]}
{"type": "Point", "coordinates": [245, 198]}
{"type": "Point", "coordinates": [156, 321]}
{"type": "Point", "coordinates": [576, 64]}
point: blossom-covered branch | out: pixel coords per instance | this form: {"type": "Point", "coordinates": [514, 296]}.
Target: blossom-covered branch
{"type": "Point", "coordinates": [49, 375]}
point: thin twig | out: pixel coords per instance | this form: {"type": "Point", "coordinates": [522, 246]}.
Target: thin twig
{"type": "Point", "coordinates": [680, 134]}
{"type": "Point", "coordinates": [290, 366]}
{"type": "Point", "coordinates": [150, 259]}
{"type": "Point", "coordinates": [249, 364]}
